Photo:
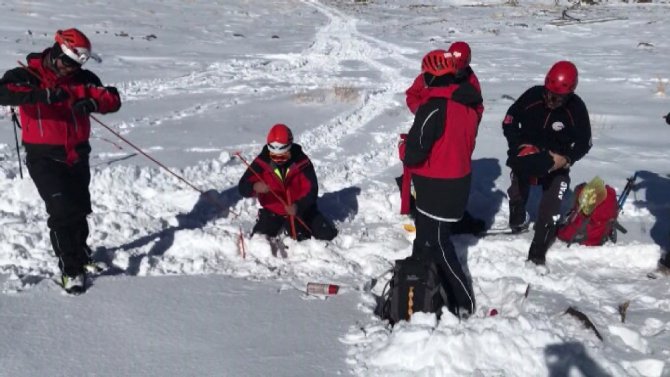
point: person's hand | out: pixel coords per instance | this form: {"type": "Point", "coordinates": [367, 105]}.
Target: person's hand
{"type": "Point", "coordinates": [261, 187]}
{"type": "Point", "coordinates": [85, 106]}
{"type": "Point", "coordinates": [560, 161]}
{"type": "Point", "coordinates": [292, 209]}
{"type": "Point", "coordinates": [50, 95]}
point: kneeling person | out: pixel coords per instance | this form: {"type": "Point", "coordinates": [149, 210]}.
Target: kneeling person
{"type": "Point", "coordinates": [283, 179]}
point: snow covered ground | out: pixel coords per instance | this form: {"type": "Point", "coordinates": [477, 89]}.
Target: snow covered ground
{"type": "Point", "coordinates": [202, 80]}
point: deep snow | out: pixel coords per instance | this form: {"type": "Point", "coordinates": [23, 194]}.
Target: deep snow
{"type": "Point", "coordinates": [203, 80]}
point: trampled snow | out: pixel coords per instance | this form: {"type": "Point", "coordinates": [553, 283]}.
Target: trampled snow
{"type": "Point", "coordinates": [202, 80]}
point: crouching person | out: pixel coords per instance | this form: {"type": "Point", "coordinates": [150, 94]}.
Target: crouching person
{"type": "Point", "coordinates": [283, 179]}
{"type": "Point", "coordinates": [547, 131]}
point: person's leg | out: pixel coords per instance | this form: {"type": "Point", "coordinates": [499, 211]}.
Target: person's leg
{"type": "Point", "coordinates": [425, 236]}
{"type": "Point", "coordinates": [433, 242]}
{"type": "Point", "coordinates": [52, 181]}
{"type": "Point", "coordinates": [78, 189]}
{"type": "Point", "coordinates": [320, 227]}
{"type": "Point", "coordinates": [518, 197]}
{"type": "Point", "coordinates": [461, 297]}
{"type": "Point", "coordinates": [468, 224]}
{"type": "Point", "coordinates": [268, 223]}
{"type": "Point", "coordinates": [554, 188]}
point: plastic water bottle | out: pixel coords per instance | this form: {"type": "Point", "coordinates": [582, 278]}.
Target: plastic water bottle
{"type": "Point", "coordinates": [322, 289]}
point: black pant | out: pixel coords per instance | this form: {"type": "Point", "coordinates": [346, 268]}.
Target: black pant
{"type": "Point", "coordinates": [64, 190]}
{"type": "Point", "coordinates": [433, 241]}
{"type": "Point", "coordinates": [272, 224]}
{"type": "Point", "coordinates": [466, 225]}
{"type": "Point", "coordinates": [554, 186]}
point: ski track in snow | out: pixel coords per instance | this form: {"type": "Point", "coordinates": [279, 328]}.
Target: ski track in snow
{"type": "Point", "coordinates": [154, 225]}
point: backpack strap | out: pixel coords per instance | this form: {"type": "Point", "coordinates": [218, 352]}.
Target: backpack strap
{"type": "Point", "coordinates": [580, 234]}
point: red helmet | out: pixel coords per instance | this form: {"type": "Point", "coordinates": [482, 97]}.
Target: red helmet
{"type": "Point", "coordinates": [438, 63]}
{"type": "Point", "coordinates": [461, 52]}
{"type": "Point", "coordinates": [561, 78]}
{"type": "Point", "coordinates": [280, 139]}
{"type": "Point", "coordinates": [75, 45]}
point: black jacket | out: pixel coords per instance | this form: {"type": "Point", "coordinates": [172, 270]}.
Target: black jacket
{"type": "Point", "coordinates": [565, 130]}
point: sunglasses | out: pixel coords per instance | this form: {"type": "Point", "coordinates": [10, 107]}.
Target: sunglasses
{"type": "Point", "coordinates": [280, 158]}
{"type": "Point", "coordinates": [68, 62]}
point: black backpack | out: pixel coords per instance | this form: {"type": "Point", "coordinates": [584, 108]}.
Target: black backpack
{"type": "Point", "coordinates": [414, 287]}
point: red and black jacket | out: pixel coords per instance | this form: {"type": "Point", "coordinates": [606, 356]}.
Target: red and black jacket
{"type": "Point", "coordinates": [417, 94]}
{"type": "Point", "coordinates": [55, 130]}
{"type": "Point", "coordinates": [439, 148]}
{"type": "Point", "coordinates": [565, 130]}
{"type": "Point", "coordinates": [296, 178]}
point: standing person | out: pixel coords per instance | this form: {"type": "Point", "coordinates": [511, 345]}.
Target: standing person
{"type": "Point", "coordinates": [547, 131]}
{"type": "Point", "coordinates": [283, 170]}
{"type": "Point", "coordinates": [55, 96]}
{"type": "Point", "coordinates": [664, 262]}
{"type": "Point", "coordinates": [419, 92]}
{"type": "Point", "coordinates": [438, 153]}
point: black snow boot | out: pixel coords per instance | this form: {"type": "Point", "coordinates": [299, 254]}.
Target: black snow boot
{"type": "Point", "coordinates": [537, 253]}
{"type": "Point", "coordinates": [518, 217]}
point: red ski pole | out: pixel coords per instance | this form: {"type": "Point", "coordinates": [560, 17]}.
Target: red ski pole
{"type": "Point", "coordinates": [161, 165]}
{"type": "Point", "coordinates": [291, 217]}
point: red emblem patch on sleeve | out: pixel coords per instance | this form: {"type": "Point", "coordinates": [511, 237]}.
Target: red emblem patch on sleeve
{"type": "Point", "coordinates": [508, 119]}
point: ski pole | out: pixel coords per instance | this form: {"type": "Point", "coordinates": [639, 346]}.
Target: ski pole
{"type": "Point", "coordinates": [15, 120]}
{"type": "Point", "coordinates": [208, 197]}
{"type": "Point", "coordinates": [626, 190]}
{"type": "Point", "coordinates": [291, 217]}
{"type": "Point", "coordinates": [161, 165]}
{"type": "Point", "coordinates": [282, 201]}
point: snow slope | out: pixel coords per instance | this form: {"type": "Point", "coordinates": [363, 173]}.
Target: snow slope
{"type": "Point", "coordinates": [203, 80]}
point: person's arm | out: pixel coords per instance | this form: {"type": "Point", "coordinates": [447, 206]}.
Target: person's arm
{"type": "Point", "coordinates": [427, 128]}
{"type": "Point", "coordinates": [472, 79]}
{"type": "Point", "coordinates": [512, 126]}
{"type": "Point", "coordinates": [18, 87]}
{"type": "Point", "coordinates": [413, 95]}
{"type": "Point", "coordinates": [92, 96]}
{"type": "Point", "coordinates": [467, 95]}
{"type": "Point", "coordinates": [583, 142]}
{"type": "Point", "coordinates": [310, 198]}
{"type": "Point", "coordinates": [246, 184]}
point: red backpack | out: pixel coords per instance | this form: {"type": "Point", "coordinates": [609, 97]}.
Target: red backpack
{"type": "Point", "coordinates": [595, 229]}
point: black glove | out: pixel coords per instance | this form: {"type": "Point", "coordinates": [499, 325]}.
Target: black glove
{"type": "Point", "coordinates": [667, 118]}
{"type": "Point", "coordinates": [49, 96]}
{"type": "Point", "coordinates": [85, 106]}
{"type": "Point", "coordinates": [112, 90]}
{"type": "Point", "coordinates": [532, 165]}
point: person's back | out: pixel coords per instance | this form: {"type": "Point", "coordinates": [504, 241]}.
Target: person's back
{"type": "Point", "coordinates": [438, 155]}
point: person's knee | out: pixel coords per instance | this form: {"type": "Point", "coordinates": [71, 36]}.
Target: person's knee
{"type": "Point", "coordinates": [323, 229]}
{"type": "Point", "coordinates": [62, 212]}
